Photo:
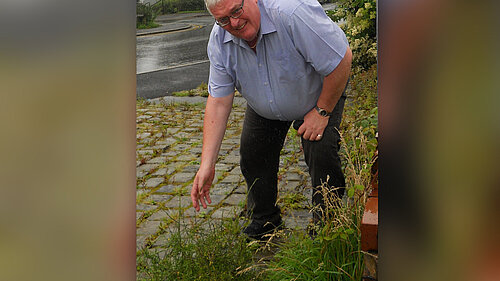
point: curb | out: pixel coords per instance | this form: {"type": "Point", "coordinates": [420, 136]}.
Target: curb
{"type": "Point", "coordinates": [187, 26]}
{"type": "Point", "coordinates": [172, 99]}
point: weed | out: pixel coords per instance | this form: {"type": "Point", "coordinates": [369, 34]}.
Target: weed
{"type": "Point", "coordinates": [214, 250]}
{"type": "Point", "coordinates": [291, 201]}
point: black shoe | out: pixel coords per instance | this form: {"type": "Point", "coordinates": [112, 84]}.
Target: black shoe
{"type": "Point", "coordinates": [256, 230]}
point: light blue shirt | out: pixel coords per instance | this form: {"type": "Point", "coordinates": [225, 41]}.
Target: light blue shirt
{"type": "Point", "coordinates": [297, 46]}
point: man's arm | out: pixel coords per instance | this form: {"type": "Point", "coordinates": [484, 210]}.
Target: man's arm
{"type": "Point", "coordinates": [214, 126]}
{"type": "Point", "coordinates": [333, 86]}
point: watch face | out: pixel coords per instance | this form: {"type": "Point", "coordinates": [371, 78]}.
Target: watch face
{"type": "Point", "coordinates": [323, 112]}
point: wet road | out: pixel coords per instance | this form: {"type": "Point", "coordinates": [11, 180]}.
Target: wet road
{"type": "Point", "coordinates": [173, 61]}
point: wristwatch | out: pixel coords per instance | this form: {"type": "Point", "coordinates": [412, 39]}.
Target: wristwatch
{"type": "Point", "coordinates": [323, 111]}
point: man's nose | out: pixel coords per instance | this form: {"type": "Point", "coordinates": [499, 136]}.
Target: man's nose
{"type": "Point", "coordinates": [234, 22]}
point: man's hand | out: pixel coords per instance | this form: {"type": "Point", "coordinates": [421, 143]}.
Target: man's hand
{"type": "Point", "coordinates": [201, 187]}
{"type": "Point", "coordinates": [313, 127]}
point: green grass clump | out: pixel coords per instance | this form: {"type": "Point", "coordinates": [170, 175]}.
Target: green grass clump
{"type": "Point", "coordinates": [147, 25]}
{"type": "Point", "coordinates": [334, 254]}
{"type": "Point", "coordinates": [213, 251]}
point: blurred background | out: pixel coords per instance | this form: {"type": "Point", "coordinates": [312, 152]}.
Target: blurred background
{"type": "Point", "coordinates": [67, 113]}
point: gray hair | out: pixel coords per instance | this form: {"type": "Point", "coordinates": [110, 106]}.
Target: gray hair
{"type": "Point", "coordinates": [211, 4]}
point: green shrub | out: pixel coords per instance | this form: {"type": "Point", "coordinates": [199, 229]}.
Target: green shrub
{"type": "Point", "coordinates": [175, 6]}
{"type": "Point", "coordinates": [360, 27]}
{"type": "Point", "coordinates": [146, 15]}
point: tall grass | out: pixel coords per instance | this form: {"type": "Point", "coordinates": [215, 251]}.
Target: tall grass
{"type": "Point", "coordinates": [335, 253]}
{"type": "Point", "coordinates": [214, 250]}
{"type": "Point", "coordinates": [220, 252]}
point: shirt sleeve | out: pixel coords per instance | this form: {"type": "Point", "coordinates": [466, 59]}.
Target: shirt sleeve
{"type": "Point", "coordinates": [320, 41]}
{"type": "Point", "coordinates": [220, 83]}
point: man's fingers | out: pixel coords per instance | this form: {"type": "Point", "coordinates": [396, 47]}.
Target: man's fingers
{"type": "Point", "coordinates": [207, 195]}
{"type": "Point", "coordinates": [203, 203]}
{"type": "Point", "coordinates": [301, 130]}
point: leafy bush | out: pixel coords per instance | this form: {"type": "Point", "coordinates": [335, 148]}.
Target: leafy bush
{"type": "Point", "coordinates": [360, 28]}
{"type": "Point", "coordinates": [175, 6]}
{"type": "Point", "coordinates": [146, 15]}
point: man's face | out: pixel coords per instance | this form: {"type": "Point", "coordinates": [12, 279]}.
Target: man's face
{"type": "Point", "coordinates": [247, 25]}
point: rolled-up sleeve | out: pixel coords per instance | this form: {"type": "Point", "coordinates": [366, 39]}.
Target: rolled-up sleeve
{"type": "Point", "coordinates": [320, 41]}
{"type": "Point", "coordinates": [220, 83]}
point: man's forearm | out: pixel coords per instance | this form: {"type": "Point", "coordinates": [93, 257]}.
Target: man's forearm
{"type": "Point", "coordinates": [335, 82]}
{"type": "Point", "coordinates": [214, 126]}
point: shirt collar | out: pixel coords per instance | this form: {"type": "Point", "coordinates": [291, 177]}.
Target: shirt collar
{"type": "Point", "coordinates": [266, 26]}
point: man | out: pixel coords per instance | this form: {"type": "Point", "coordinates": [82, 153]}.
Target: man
{"type": "Point", "coordinates": [291, 63]}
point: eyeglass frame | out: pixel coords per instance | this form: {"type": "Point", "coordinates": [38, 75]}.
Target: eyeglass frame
{"type": "Point", "coordinates": [231, 15]}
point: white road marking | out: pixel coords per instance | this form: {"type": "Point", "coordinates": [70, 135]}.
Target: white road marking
{"type": "Point", "coordinates": [175, 66]}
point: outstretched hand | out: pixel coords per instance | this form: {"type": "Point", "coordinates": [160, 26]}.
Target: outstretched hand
{"type": "Point", "coordinates": [201, 187]}
{"type": "Point", "coordinates": [313, 127]}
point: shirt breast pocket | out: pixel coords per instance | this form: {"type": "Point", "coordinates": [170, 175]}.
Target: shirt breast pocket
{"type": "Point", "coordinates": [291, 67]}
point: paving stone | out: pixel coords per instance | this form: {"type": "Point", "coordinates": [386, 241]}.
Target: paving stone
{"type": "Point", "coordinates": [182, 177]}
{"type": "Point", "coordinates": [154, 182]}
{"type": "Point", "coordinates": [161, 215]}
{"type": "Point", "coordinates": [140, 242]}
{"type": "Point", "coordinates": [147, 168]}
{"type": "Point", "coordinates": [234, 179]}
{"type": "Point", "coordinates": [140, 192]}
{"type": "Point", "coordinates": [196, 151]}
{"type": "Point", "coordinates": [157, 160]}
{"type": "Point", "coordinates": [161, 172]}
{"type": "Point", "coordinates": [181, 147]}
{"type": "Point", "coordinates": [138, 215]}
{"type": "Point", "coordinates": [170, 153]}
{"type": "Point", "coordinates": [236, 171]}
{"type": "Point", "coordinates": [159, 197]}
{"type": "Point", "coordinates": [148, 228]}
{"type": "Point", "coordinates": [166, 189]}
{"type": "Point", "coordinates": [226, 212]}
{"type": "Point", "coordinates": [231, 160]}
{"type": "Point", "coordinates": [165, 143]}
{"type": "Point", "coordinates": [221, 189]}
{"type": "Point", "coordinates": [226, 146]}
{"type": "Point", "coordinates": [143, 135]}
{"type": "Point", "coordinates": [235, 199]}
{"type": "Point", "coordinates": [191, 129]}
{"type": "Point", "coordinates": [191, 212]}
{"type": "Point", "coordinates": [289, 186]}
{"type": "Point", "coordinates": [293, 177]}
{"type": "Point", "coordinates": [223, 167]}
{"type": "Point", "coordinates": [191, 169]}
{"type": "Point", "coordinates": [142, 117]}
{"type": "Point", "coordinates": [172, 131]}
{"type": "Point", "coordinates": [216, 199]}
{"type": "Point", "coordinates": [145, 207]}
{"type": "Point", "coordinates": [185, 201]}
{"type": "Point", "coordinates": [186, 157]}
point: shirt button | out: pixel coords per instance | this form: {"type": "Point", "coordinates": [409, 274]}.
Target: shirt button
{"type": "Point", "coordinates": [265, 83]}
{"type": "Point", "coordinates": [260, 64]}
{"type": "Point", "coordinates": [270, 101]}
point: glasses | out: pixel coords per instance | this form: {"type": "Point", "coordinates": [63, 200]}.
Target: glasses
{"type": "Point", "coordinates": [235, 14]}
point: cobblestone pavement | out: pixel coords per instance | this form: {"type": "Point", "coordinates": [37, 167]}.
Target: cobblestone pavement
{"type": "Point", "coordinates": [169, 142]}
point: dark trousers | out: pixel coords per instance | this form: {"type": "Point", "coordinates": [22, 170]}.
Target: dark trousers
{"type": "Point", "coordinates": [261, 142]}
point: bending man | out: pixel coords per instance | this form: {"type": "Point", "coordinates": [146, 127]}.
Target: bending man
{"type": "Point", "coordinates": [291, 63]}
